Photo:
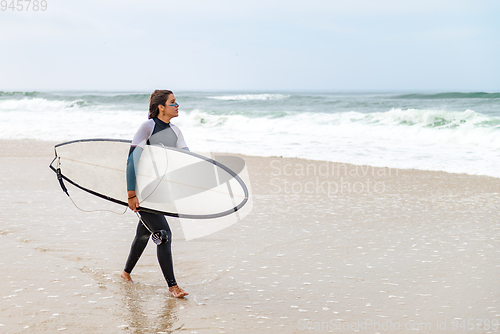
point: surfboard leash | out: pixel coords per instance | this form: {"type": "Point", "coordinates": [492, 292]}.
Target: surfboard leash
{"type": "Point", "coordinates": [157, 236]}
{"type": "Point", "coordinates": [60, 178]}
{"type": "Point", "coordinates": [65, 190]}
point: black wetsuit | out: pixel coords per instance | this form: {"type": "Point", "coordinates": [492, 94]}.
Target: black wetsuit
{"type": "Point", "coordinates": [154, 131]}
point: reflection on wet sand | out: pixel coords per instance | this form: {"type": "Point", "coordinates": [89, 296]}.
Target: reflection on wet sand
{"type": "Point", "coordinates": [151, 309]}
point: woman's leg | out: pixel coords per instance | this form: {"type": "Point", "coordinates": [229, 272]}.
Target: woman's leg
{"type": "Point", "coordinates": [164, 251]}
{"type": "Point", "coordinates": [138, 245]}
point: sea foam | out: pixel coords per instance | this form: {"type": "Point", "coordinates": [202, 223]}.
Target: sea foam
{"type": "Point", "coordinates": [449, 132]}
{"type": "Point", "coordinates": [243, 97]}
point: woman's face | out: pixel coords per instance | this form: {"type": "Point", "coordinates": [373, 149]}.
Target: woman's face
{"type": "Point", "coordinates": [171, 108]}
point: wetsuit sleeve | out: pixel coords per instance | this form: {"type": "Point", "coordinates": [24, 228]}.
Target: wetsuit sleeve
{"type": "Point", "coordinates": [140, 139]}
{"type": "Point", "coordinates": [181, 143]}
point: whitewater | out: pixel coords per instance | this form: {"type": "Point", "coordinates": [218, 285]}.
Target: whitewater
{"type": "Point", "coordinates": [451, 132]}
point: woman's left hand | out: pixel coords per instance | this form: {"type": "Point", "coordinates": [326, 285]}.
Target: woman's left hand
{"type": "Point", "coordinates": [133, 201]}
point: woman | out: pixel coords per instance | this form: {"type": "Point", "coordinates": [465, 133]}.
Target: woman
{"type": "Point", "coordinates": [155, 131]}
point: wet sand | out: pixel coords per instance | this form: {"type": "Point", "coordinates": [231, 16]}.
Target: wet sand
{"type": "Point", "coordinates": [326, 247]}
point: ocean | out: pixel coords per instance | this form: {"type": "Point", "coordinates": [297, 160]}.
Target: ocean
{"type": "Point", "coordinates": [451, 132]}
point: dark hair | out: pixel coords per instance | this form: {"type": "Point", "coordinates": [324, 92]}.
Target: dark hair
{"type": "Point", "coordinates": [158, 97]}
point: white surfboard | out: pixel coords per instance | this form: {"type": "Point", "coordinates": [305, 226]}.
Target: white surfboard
{"type": "Point", "coordinates": [170, 181]}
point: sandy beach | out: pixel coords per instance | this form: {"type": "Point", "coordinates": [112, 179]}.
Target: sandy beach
{"type": "Point", "coordinates": [326, 248]}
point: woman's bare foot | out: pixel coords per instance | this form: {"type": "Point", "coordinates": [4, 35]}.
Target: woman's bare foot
{"type": "Point", "coordinates": [126, 277]}
{"type": "Point", "coordinates": [177, 292]}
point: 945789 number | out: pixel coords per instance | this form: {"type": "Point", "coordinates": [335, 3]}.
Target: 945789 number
{"type": "Point", "coordinates": [475, 324]}
{"type": "Point", "coordinates": [23, 5]}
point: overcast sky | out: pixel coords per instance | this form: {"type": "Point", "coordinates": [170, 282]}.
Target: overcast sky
{"type": "Point", "coordinates": [435, 45]}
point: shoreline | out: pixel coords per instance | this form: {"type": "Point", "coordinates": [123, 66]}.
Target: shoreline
{"type": "Point", "coordinates": [314, 251]}
{"type": "Point", "coordinates": [9, 146]}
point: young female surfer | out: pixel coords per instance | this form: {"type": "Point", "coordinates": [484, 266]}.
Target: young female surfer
{"type": "Point", "coordinates": [155, 131]}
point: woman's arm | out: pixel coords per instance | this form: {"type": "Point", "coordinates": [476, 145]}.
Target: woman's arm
{"type": "Point", "coordinates": [132, 161]}
{"type": "Point", "coordinates": [136, 148]}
